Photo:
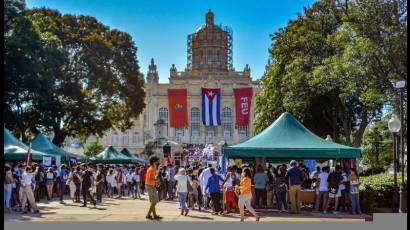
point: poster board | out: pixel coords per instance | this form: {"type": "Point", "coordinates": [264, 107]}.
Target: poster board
{"type": "Point", "coordinates": [58, 161]}
{"type": "Point", "coordinates": [46, 160]}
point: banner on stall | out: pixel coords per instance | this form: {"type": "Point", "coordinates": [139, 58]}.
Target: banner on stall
{"type": "Point", "coordinates": [73, 161]}
{"type": "Point", "coordinates": [46, 161]}
{"type": "Point", "coordinates": [178, 111]}
{"type": "Point", "coordinates": [243, 99]}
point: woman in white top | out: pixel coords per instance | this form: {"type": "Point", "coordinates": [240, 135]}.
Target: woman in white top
{"type": "Point", "coordinates": [182, 189]}
{"type": "Point", "coordinates": [136, 177]}
{"type": "Point", "coordinates": [130, 184]}
{"type": "Point", "coordinates": [71, 184]}
{"type": "Point", "coordinates": [50, 182]}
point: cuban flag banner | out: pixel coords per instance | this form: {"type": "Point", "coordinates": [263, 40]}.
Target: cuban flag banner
{"type": "Point", "coordinates": [211, 106]}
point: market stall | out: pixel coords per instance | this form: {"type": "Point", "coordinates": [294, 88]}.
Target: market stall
{"type": "Point", "coordinates": [111, 156]}
{"type": "Point", "coordinates": [128, 153]}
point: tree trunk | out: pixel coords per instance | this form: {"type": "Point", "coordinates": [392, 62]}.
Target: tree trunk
{"type": "Point", "coordinates": [59, 136]}
{"type": "Point", "coordinates": [359, 134]}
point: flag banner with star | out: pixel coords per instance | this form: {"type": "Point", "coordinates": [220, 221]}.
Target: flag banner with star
{"type": "Point", "coordinates": [178, 111]}
{"type": "Point", "coordinates": [211, 106]}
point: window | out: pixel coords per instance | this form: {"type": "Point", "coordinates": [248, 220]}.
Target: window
{"type": "Point", "coordinates": [125, 139]}
{"type": "Point", "coordinates": [210, 134]}
{"type": "Point", "coordinates": [243, 131]}
{"type": "Point", "coordinates": [195, 122]}
{"type": "Point", "coordinates": [136, 138]}
{"type": "Point", "coordinates": [114, 138]}
{"type": "Point", "coordinates": [227, 122]}
{"type": "Point", "coordinates": [163, 114]}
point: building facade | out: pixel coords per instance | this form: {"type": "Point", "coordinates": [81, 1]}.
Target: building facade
{"type": "Point", "coordinates": [209, 65]}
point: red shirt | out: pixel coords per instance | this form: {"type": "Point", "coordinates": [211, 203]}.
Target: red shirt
{"type": "Point", "coordinates": [143, 172]}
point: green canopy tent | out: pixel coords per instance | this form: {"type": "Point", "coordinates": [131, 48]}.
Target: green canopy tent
{"type": "Point", "coordinates": [111, 156]}
{"type": "Point", "coordinates": [79, 157]}
{"type": "Point", "coordinates": [288, 139]}
{"type": "Point", "coordinates": [15, 150]}
{"type": "Point", "coordinates": [128, 153]}
{"type": "Point", "coordinates": [43, 144]}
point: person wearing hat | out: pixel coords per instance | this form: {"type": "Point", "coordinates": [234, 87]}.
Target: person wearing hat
{"type": "Point", "coordinates": [294, 179]}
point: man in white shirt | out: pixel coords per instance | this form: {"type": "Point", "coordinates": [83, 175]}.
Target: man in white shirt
{"type": "Point", "coordinates": [322, 189]}
{"type": "Point", "coordinates": [203, 179]}
{"type": "Point", "coordinates": [182, 189]}
{"type": "Point", "coordinates": [26, 191]}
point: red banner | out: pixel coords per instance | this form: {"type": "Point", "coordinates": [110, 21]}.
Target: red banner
{"type": "Point", "coordinates": [243, 98]}
{"type": "Point", "coordinates": [178, 111]}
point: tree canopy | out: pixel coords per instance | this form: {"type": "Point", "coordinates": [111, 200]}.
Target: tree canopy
{"type": "Point", "coordinates": [67, 74]}
{"type": "Point", "coordinates": [333, 67]}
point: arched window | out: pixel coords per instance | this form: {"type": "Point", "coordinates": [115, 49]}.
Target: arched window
{"type": "Point", "coordinates": [195, 122]}
{"type": "Point", "coordinates": [136, 138]}
{"type": "Point", "coordinates": [227, 122]}
{"type": "Point", "coordinates": [125, 139]}
{"type": "Point", "coordinates": [243, 131]}
{"type": "Point", "coordinates": [163, 114]}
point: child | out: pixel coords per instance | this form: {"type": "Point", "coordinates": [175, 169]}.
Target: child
{"type": "Point", "coordinates": [193, 195]}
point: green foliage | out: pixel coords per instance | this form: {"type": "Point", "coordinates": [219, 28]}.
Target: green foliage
{"type": "Point", "coordinates": [377, 146]}
{"type": "Point", "coordinates": [93, 148]}
{"type": "Point", "coordinates": [68, 74]}
{"type": "Point", "coordinates": [329, 70]}
{"type": "Point", "coordinates": [376, 191]}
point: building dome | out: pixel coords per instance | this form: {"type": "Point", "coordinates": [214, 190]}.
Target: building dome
{"type": "Point", "coordinates": [209, 48]}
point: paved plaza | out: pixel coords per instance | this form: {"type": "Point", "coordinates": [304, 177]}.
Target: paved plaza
{"type": "Point", "coordinates": [127, 209]}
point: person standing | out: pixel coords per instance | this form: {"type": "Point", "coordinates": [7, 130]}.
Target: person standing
{"type": "Point", "coordinates": [151, 181]}
{"type": "Point", "coordinates": [183, 182]}
{"type": "Point", "coordinates": [87, 184]}
{"type": "Point", "coordinates": [39, 178]}
{"type": "Point", "coordinates": [100, 182]}
{"type": "Point", "coordinates": [322, 190]}
{"type": "Point", "coordinates": [63, 182]}
{"type": "Point", "coordinates": [193, 195]}
{"type": "Point", "coordinates": [119, 179]}
{"type": "Point", "coordinates": [294, 178]}
{"type": "Point", "coordinates": [112, 183]}
{"type": "Point", "coordinates": [130, 184]}
{"type": "Point", "coordinates": [335, 179]}
{"type": "Point", "coordinates": [171, 181]}
{"type": "Point", "coordinates": [77, 181]}
{"type": "Point", "coordinates": [26, 190]}
{"type": "Point", "coordinates": [71, 184]}
{"type": "Point", "coordinates": [281, 189]}
{"type": "Point", "coordinates": [229, 184]}
{"type": "Point", "coordinates": [245, 197]}
{"type": "Point", "coordinates": [143, 176]}
{"type": "Point", "coordinates": [50, 177]}
{"type": "Point", "coordinates": [215, 191]}
{"type": "Point", "coordinates": [343, 189]}
{"type": "Point", "coordinates": [8, 188]}
{"type": "Point", "coordinates": [203, 179]}
{"type": "Point", "coordinates": [260, 179]}
{"type": "Point", "coordinates": [136, 178]}
{"type": "Point", "coordinates": [354, 191]}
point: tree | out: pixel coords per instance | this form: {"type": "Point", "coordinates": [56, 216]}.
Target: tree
{"type": "Point", "coordinates": [91, 77]}
{"type": "Point", "coordinates": [324, 69]}
{"type": "Point", "coordinates": [378, 146]}
{"type": "Point", "coordinates": [94, 148]}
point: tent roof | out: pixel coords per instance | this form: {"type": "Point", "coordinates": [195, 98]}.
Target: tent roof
{"type": "Point", "coordinates": [15, 150]}
{"type": "Point", "coordinates": [111, 156]}
{"type": "Point", "coordinates": [128, 153]}
{"type": "Point", "coordinates": [43, 144]}
{"type": "Point", "coordinates": [287, 138]}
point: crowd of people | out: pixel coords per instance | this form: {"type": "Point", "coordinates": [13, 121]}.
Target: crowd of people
{"type": "Point", "coordinates": [196, 186]}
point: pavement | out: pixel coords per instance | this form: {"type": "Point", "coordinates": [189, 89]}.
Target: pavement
{"type": "Point", "coordinates": [128, 209]}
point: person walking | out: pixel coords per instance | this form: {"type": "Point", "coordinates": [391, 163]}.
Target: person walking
{"type": "Point", "coordinates": [245, 197]}
{"type": "Point", "coordinates": [215, 191]}
{"type": "Point", "coordinates": [354, 191]}
{"type": "Point", "coordinates": [294, 179]}
{"type": "Point", "coordinates": [130, 184]}
{"type": "Point", "coordinates": [193, 195]}
{"type": "Point", "coordinates": [151, 182]}
{"type": "Point", "coordinates": [119, 179]}
{"type": "Point", "coordinates": [136, 178]}
{"type": "Point", "coordinates": [39, 178]}
{"type": "Point", "coordinates": [281, 189]}
{"type": "Point", "coordinates": [171, 181]}
{"type": "Point", "coordinates": [203, 179]}
{"type": "Point", "coordinates": [87, 184]}
{"type": "Point", "coordinates": [143, 176]}
{"type": "Point", "coordinates": [26, 191]}
{"type": "Point", "coordinates": [71, 184]}
{"type": "Point", "coordinates": [63, 182]}
{"type": "Point", "coordinates": [183, 183]}
{"type": "Point", "coordinates": [322, 190]}
{"type": "Point", "coordinates": [112, 183]}
{"type": "Point", "coordinates": [231, 180]}
{"type": "Point", "coordinates": [77, 181]}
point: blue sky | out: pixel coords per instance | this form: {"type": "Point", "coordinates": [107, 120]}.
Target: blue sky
{"type": "Point", "coordinates": [160, 28]}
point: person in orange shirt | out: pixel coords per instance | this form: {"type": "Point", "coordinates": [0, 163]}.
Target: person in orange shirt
{"type": "Point", "coordinates": [245, 196]}
{"type": "Point", "coordinates": [151, 180]}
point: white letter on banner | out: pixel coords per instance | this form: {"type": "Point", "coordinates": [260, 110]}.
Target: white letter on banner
{"type": "Point", "coordinates": [244, 105]}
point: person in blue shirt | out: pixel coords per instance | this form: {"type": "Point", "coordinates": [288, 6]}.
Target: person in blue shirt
{"type": "Point", "coordinates": [294, 179]}
{"type": "Point", "coordinates": [62, 182]}
{"type": "Point", "coordinates": [215, 191]}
